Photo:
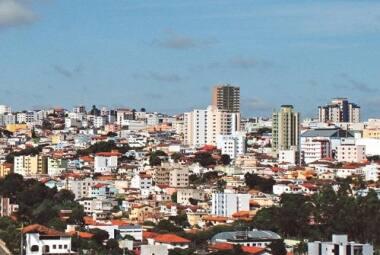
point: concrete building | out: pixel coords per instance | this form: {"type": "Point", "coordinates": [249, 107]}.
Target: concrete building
{"type": "Point", "coordinates": [316, 144]}
{"type": "Point", "coordinates": [339, 245]}
{"type": "Point", "coordinates": [285, 131]}
{"type": "Point", "coordinates": [339, 110]}
{"type": "Point", "coordinates": [288, 156]}
{"type": "Point", "coordinates": [371, 172]}
{"type": "Point", "coordinates": [150, 249]}
{"type": "Point", "coordinates": [184, 195]}
{"type": "Point", "coordinates": [314, 149]}
{"type": "Point", "coordinates": [5, 109]}
{"type": "Point", "coordinates": [226, 98]}
{"type": "Point", "coordinates": [203, 126]}
{"type": "Point", "coordinates": [179, 177]}
{"type": "Point", "coordinates": [81, 188]}
{"type": "Point", "coordinates": [233, 145]}
{"type": "Point", "coordinates": [351, 153]}
{"type": "Point", "coordinates": [30, 165]}
{"type": "Point", "coordinates": [6, 207]}
{"type": "Point", "coordinates": [41, 240]}
{"type": "Point", "coordinates": [56, 166]}
{"type": "Point", "coordinates": [106, 161]}
{"type": "Point", "coordinates": [226, 204]}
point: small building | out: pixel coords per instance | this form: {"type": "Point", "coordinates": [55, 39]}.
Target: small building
{"type": "Point", "coordinates": [41, 240]}
{"type": "Point", "coordinates": [254, 238]}
{"type": "Point", "coordinates": [339, 245]}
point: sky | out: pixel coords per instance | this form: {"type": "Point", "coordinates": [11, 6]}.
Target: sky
{"type": "Point", "coordinates": [166, 55]}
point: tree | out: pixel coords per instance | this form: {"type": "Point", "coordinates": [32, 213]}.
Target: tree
{"type": "Point", "coordinates": [174, 197]}
{"type": "Point", "coordinates": [112, 247]}
{"type": "Point", "coordinates": [253, 181]}
{"type": "Point", "coordinates": [293, 215]}
{"type": "Point", "coordinates": [176, 156]}
{"type": "Point", "coordinates": [205, 159]}
{"type": "Point", "coordinates": [266, 218]}
{"type": "Point", "coordinates": [100, 235]}
{"type": "Point", "coordinates": [9, 233]}
{"type": "Point", "coordinates": [278, 247]}
{"type": "Point", "coordinates": [225, 159]}
{"type": "Point", "coordinates": [64, 195]}
{"type": "Point", "coordinates": [221, 185]}
{"type": "Point", "coordinates": [166, 226]}
{"type": "Point", "coordinates": [155, 157]}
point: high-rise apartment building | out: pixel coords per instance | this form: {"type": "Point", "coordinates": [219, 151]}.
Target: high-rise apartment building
{"type": "Point", "coordinates": [285, 130]}
{"type": "Point", "coordinates": [226, 204]}
{"type": "Point", "coordinates": [339, 110]}
{"type": "Point", "coordinates": [226, 98]}
{"type": "Point", "coordinates": [203, 126]}
{"type": "Point", "coordinates": [30, 165]}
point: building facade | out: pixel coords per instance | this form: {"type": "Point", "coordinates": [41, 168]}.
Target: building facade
{"type": "Point", "coordinates": [203, 126]}
{"type": "Point", "coordinates": [339, 110]}
{"type": "Point", "coordinates": [286, 129]}
{"type": "Point", "coordinates": [226, 98]}
{"type": "Point", "coordinates": [226, 204]}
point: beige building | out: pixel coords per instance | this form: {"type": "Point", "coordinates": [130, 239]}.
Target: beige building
{"type": "Point", "coordinates": [179, 178]}
{"type": "Point", "coordinates": [286, 129]}
{"type": "Point", "coordinates": [5, 169]}
{"type": "Point", "coordinates": [30, 165]}
{"type": "Point", "coordinates": [184, 195]}
{"type": "Point", "coordinates": [351, 153]}
{"type": "Point", "coordinates": [204, 126]}
{"type": "Point", "coordinates": [161, 175]}
{"type": "Point", "coordinates": [339, 110]}
{"type": "Point", "coordinates": [226, 98]}
{"type": "Point", "coordinates": [371, 133]}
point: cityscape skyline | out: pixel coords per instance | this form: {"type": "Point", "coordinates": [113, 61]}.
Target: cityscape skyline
{"type": "Point", "coordinates": [309, 57]}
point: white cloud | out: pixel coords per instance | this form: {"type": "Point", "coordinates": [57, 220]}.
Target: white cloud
{"type": "Point", "coordinates": [15, 12]}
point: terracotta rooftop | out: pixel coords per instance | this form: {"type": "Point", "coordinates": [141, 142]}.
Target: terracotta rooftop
{"type": "Point", "coordinates": [42, 230]}
{"type": "Point", "coordinates": [170, 238]}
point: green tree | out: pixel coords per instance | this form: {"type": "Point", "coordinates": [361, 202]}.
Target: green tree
{"type": "Point", "coordinates": [277, 247]}
{"type": "Point", "coordinates": [100, 235]}
{"type": "Point", "coordinates": [155, 157]}
{"type": "Point", "coordinates": [253, 181]}
{"type": "Point", "coordinates": [205, 159]}
{"type": "Point", "coordinates": [225, 159]}
{"type": "Point", "coordinates": [174, 197]}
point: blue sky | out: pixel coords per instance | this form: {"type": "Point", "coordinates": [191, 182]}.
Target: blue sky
{"type": "Point", "coordinates": [166, 55]}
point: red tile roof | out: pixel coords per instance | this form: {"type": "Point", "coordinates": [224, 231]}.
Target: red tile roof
{"type": "Point", "coordinates": [42, 230]}
{"type": "Point", "coordinates": [170, 238]}
{"type": "Point", "coordinates": [227, 246]}
{"type": "Point", "coordinates": [108, 154]}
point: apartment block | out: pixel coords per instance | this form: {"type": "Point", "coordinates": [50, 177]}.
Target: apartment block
{"type": "Point", "coordinates": [204, 125]}
{"type": "Point", "coordinates": [339, 110]}
{"type": "Point", "coordinates": [30, 165]}
{"type": "Point", "coordinates": [226, 98]}
{"type": "Point", "coordinates": [286, 129]}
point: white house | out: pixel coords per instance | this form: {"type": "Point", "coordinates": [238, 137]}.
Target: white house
{"type": "Point", "coordinates": [371, 172]}
{"type": "Point", "coordinates": [106, 161]}
{"type": "Point", "coordinates": [171, 241]}
{"type": "Point", "coordinates": [41, 240]}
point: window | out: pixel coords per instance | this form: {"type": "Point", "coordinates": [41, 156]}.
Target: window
{"type": "Point", "coordinates": [34, 248]}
